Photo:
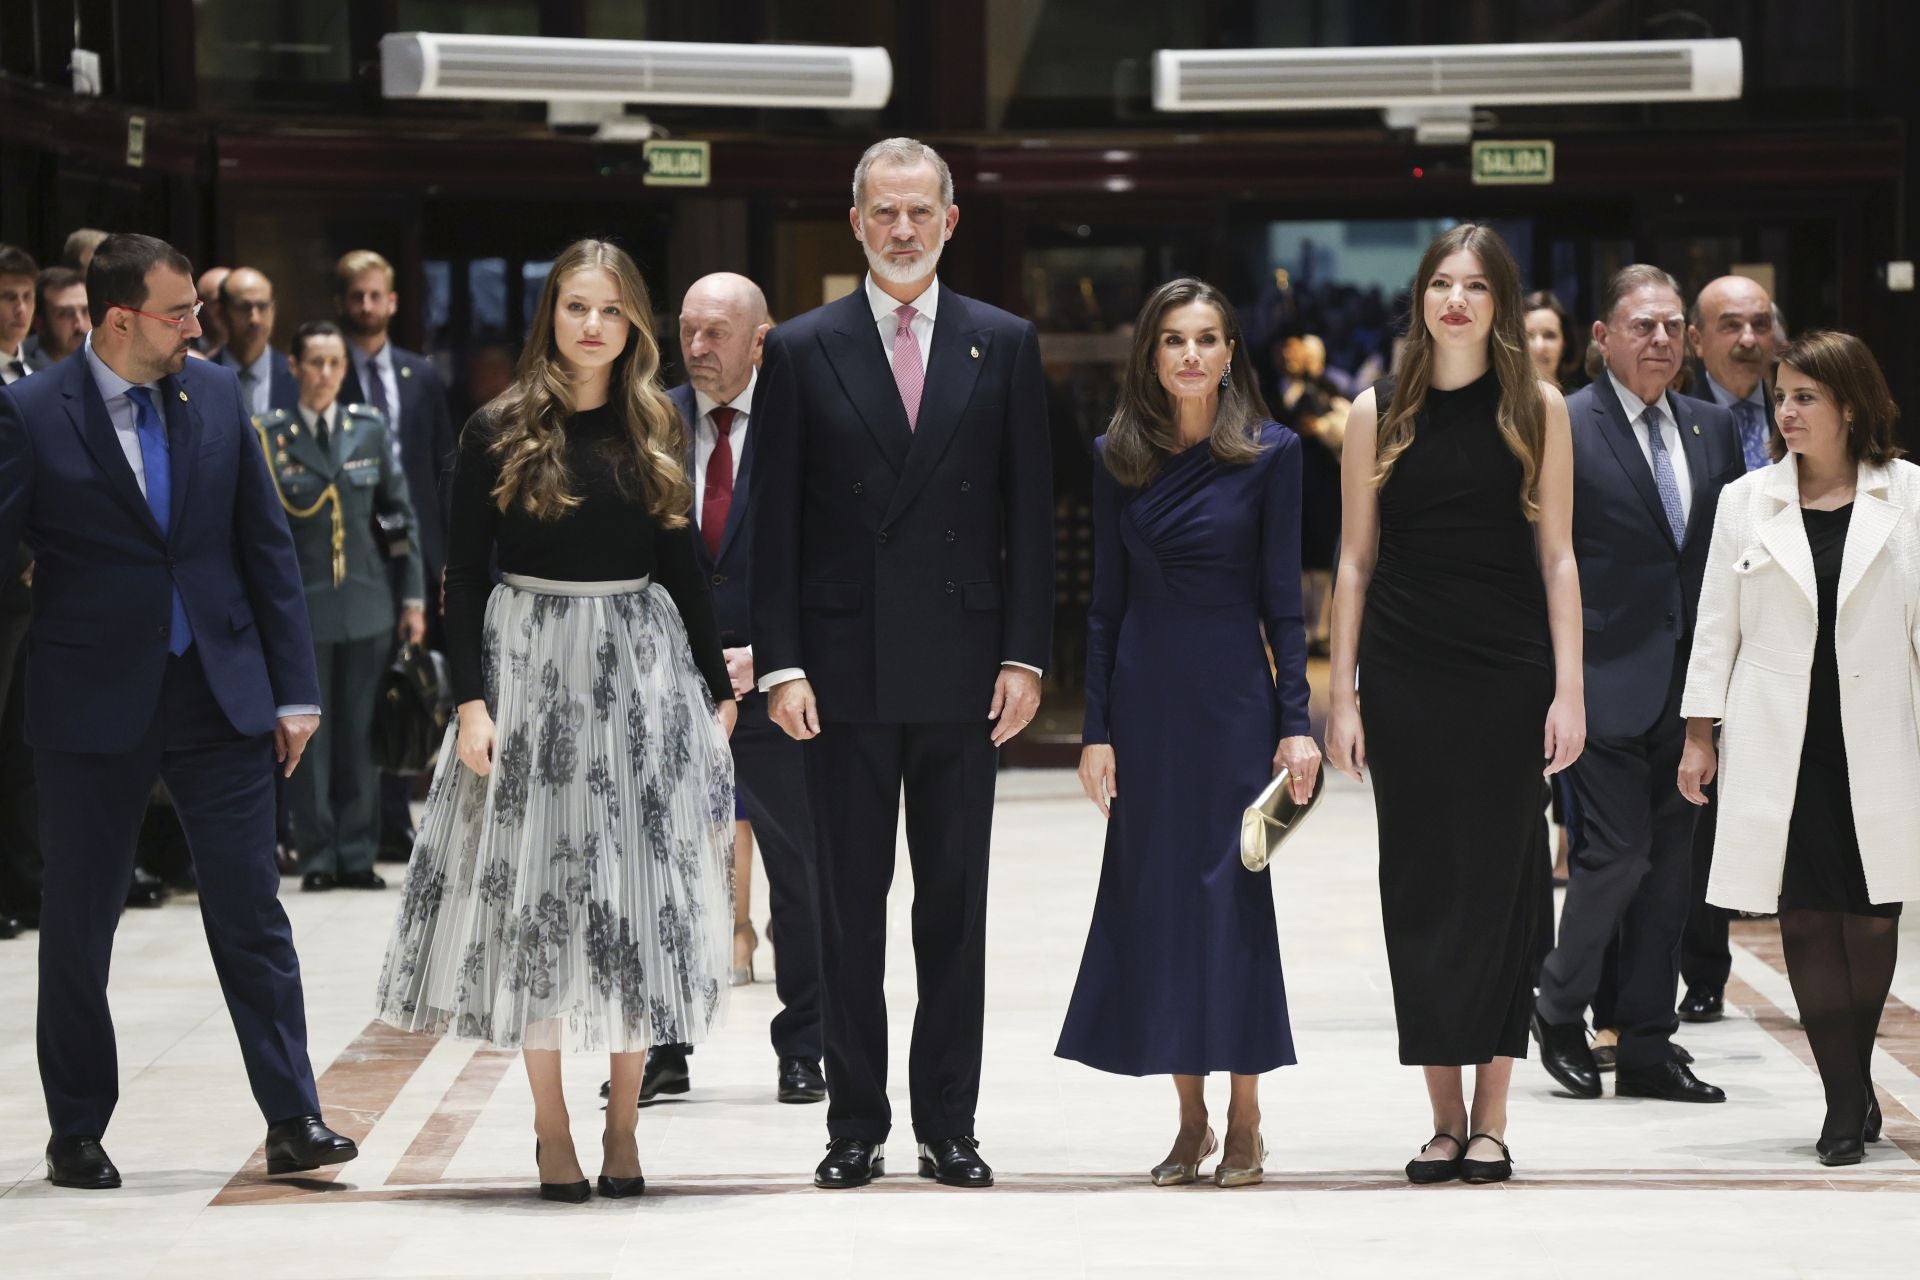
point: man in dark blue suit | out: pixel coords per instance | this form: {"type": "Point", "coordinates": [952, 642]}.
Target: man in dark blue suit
{"type": "Point", "coordinates": [1648, 470]}
{"type": "Point", "coordinates": [266, 380]}
{"type": "Point", "coordinates": [169, 640]}
{"type": "Point", "coordinates": [723, 325]}
{"type": "Point", "coordinates": [902, 612]}
{"type": "Point", "coordinates": [405, 387]}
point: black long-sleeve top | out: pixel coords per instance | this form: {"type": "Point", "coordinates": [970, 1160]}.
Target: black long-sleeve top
{"type": "Point", "coordinates": [606, 538]}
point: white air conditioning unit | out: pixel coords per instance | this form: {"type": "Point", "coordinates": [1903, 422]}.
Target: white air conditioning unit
{"type": "Point", "coordinates": [1442, 80]}
{"type": "Point", "coordinates": [427, 64]}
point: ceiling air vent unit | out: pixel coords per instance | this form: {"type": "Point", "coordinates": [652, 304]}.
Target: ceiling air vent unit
{"type": "Point", "coordinates": [426, 64]}
{"type": "Point", "coordinates": [1445, 76]}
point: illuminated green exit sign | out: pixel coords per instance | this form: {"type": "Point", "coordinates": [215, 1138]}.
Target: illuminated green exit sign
{"type": "Point", "coordinates": [1512, 163]}
{"type": "Point", "coordinates": [678, 164]}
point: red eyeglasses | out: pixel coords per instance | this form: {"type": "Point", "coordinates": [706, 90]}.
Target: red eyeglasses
{"type": "Point", "coordinates": [175, 321]}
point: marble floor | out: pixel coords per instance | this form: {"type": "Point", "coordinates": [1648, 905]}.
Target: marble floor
{"type": "Point", "coordinates": [443, 1185]}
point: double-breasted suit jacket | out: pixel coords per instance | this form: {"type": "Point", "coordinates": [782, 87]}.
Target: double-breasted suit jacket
{"type": "Point", "coordinates": [357, 465]}
{"type": "Point", "coordinates": [899, 566]}
{"type": "Point", "coordinates": [1752, 665]}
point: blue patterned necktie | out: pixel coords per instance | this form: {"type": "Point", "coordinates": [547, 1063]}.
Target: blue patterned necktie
{"type": "Point", "coordinates": [1663, 477]}
{"type": "Point", "coordinates": [1753, 434]}
{"type": "Point", "coordinates": [156, 460]}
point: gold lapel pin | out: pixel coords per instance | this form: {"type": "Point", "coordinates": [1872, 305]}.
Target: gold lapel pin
{"type": "Point", "coordinates": [1696, 428]}
{"type": "Point", "coordinates": [293, 428]}
{"type": "Point", "coordinates": [406, 373]}
{"type": "Point", "coordinates": [183, 395]}
{"type": "Point", "coordinates": [974, 352]}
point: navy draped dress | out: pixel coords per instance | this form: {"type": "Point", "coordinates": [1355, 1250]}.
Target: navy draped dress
{"type": "Point", "coordinates": [1181, 973]}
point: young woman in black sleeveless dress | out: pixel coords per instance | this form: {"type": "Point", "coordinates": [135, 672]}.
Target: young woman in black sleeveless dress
{"type": "Point", "coordinates": [1458, 609]}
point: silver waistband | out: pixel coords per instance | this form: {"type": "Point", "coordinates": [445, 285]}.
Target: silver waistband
{"type": "Point", "coordinates": [554, 587]}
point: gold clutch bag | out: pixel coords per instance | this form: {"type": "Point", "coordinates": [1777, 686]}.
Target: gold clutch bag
{"type": "Point", "coordinates": [1271, 818]}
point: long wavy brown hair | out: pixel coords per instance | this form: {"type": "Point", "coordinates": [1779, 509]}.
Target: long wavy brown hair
{"type": "Point", "coordinates": [529, 419]}
{"type": "Point", "coordinates": [1142, 434]}
{"type": "Point", "coordinates": [1522, 413]}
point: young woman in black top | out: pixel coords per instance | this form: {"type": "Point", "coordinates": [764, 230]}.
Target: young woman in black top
{"type": "Point", "coordinates": [571, 882]}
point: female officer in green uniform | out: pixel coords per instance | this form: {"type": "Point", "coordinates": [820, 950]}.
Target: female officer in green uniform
{"type": "Point", "coordinates": [335, 470]}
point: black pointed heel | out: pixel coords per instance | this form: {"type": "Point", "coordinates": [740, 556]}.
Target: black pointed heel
{"type": "Point", "coordinates": [1481, 1171]}
{"type": "Point", "coordinates": [621, 1188]}
{"type": "Point", "coordinates": [1872, 1130]}
{"type": "Point", "coordinates": [563, 1192]}
{"type": "Point", "coordinates": [1426, 1172]}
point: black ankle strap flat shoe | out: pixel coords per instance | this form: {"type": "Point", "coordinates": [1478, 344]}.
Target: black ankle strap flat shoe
{"type": "Point", "coordinates": [1427, 1172]}
{"type": "Point", "coordinates": [1479, 1171]}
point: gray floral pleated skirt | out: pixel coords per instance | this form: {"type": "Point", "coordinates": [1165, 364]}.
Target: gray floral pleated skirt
{"type": "Point", "coordinates": [580, 896]}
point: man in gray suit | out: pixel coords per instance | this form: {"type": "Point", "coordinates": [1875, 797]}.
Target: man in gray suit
{"type": "Point", "coordinates": [334, 471]}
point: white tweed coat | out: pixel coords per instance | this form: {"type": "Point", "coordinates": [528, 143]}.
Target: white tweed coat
{"type": "Point", "coordinates": [1751, 669]}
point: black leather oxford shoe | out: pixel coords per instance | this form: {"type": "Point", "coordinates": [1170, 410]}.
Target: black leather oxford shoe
{"type": "Point", "coordinates": [1703, 1004]}
{"type": "Point", "coordinates": [317, 882]}
{"type": "Point", "coordinates": [955, 1162]}
{"type": "Point", "coordinates": [850, 1162]}
{"type": "Point", "coordinates": [801, 1081]}
{"type": "Point", "coordinates": [1670, 1082]}
{"type": "Point", "coordinates": [361, 880]}
{"type": "Point", "coordinates": [303, 1143]}
{"type": "Point", "coordinates": [1565, 1055]}
{"type": "Point", "coordinates": [666, 1073]}
{"type": "Point", "coordinates": [80, 1163]}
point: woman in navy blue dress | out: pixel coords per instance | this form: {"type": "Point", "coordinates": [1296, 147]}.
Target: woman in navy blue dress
{"type": "Point", "coordinates": [1196, 553]}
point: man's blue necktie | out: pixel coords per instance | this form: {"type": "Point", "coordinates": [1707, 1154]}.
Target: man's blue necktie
{"type": "Point", "coordinates": [157, 460]}
{"type": "Point", "coordinates": [1663, 477]}
{"type": "Point", "coordinates": [1753, 434]}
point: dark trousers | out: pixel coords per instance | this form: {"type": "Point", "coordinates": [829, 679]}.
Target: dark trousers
{"type": "Point", "coordinates": [773, 788]}
{"type": "Point", "coordinates": [19, 793]}
{"type": "Point", "coordinates": [855, 777]}
{"type": "Point", "coordinates": [1706, 958]}
{"type": "Point", "coordinates": [333, 798]}
{"type": "Point", "coordinates": [1630, 874]}
{"type": "Point", "coordinates": [222, 788]}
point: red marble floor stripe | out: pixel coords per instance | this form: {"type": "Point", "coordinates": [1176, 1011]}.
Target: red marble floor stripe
{"type": "Point", "coordinates": [355, 1091]}
{"type": "Point", "coordinates": [440, 1137]}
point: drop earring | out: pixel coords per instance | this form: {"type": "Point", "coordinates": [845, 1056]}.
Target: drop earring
{"type": "Point", "coordinates": [1226, 376]}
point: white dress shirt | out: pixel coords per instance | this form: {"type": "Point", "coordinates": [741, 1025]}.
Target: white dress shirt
{"type": "Point", "coordinates": [8, 360]}
{"type": "Point", "coordinates": [125, 417]}
{"type": "Point", "coordinates": [261, 370]}
{"type": "Point", "coordinates": [312, 417]}
{"type": "Point", "coordinates": [706, 439]}
{"type": "Point", "coordinates": [1669, 434]}
{"type": "Point", "coordinates": [380, 365]}
{"type": "Point", "coordinates": [925, 307]}
{"type": "Point", "coordinates": [920, 329]}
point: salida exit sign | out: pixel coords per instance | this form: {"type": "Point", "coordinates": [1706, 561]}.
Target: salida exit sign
{"type": "Point", "coordinates": [1512, 163]}
{"type": "Point", "coordinates": [678, 164]}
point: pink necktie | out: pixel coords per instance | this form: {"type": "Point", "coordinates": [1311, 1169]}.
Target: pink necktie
{"type": "Point", "coordinates": [908, 373]}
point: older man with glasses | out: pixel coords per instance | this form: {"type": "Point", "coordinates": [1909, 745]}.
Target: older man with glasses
{"type": "Point", "coordinates": [266, 379]}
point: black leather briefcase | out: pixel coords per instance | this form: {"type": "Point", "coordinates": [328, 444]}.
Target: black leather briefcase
{"type": "Point", "coordinates": [411, 713]}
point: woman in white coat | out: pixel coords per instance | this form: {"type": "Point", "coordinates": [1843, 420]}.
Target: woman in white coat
{"type": "Point", "coordinates": [1808, 653]}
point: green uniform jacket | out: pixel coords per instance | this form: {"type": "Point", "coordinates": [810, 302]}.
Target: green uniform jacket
{"type": "Point", "coordinates": [358, 465]}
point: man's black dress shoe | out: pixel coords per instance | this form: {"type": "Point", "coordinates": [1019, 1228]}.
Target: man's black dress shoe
{"type": "Point", "coordinates": [1670, 1081]}
{"type": "Point", "coordinates": [317, 882]}
{"type": "Point", "coordinates": [80, 1163]}
{"type": "Point", "coordinates": [1565, 1055]}
{"type": "Point", "coordinates": [286, 860]}
{"type": "Point", "coordinates": [10, 925]}
{"type": "Point", "coordinates": [801, 1081]}
{"type": "Point", "coordinates": [955, 1162]}
{"type": "Point", "coordinates": [303, 1143]}
{"type": "Point", "coordinates": [360, 880]}
{"type": "Point", "coordinates": [1680, 1054]}
{"type": "Point", "coordinates": [1703, 1004]}
{"type": "Point", "coordinates": [666, 1073]}
{"type": "Point", "coordinates": [850, 1162]}
{"type": "Point", "coordinates": [147, 890]}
